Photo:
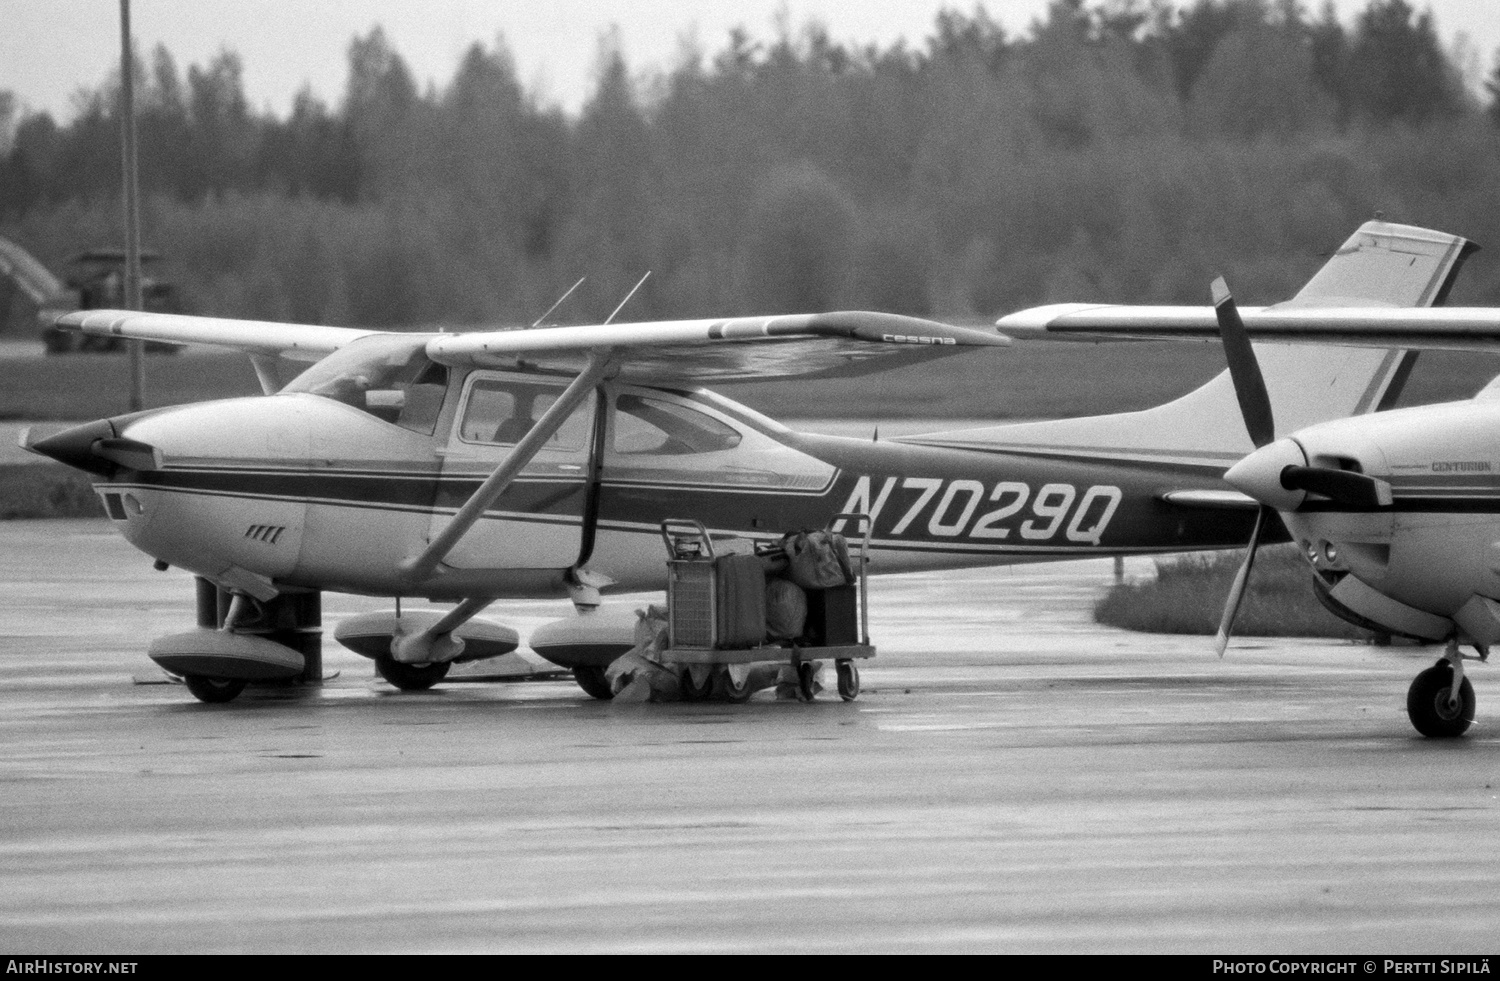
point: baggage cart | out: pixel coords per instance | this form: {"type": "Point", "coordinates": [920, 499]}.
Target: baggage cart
{"type": "Point", "coordinates": [710, 599]}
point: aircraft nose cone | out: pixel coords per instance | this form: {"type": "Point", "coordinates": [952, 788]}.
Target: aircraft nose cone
{"type": "Point", "coordinates": [75, 447]}
{"type": "Point", "coordinates": [1259, 474]}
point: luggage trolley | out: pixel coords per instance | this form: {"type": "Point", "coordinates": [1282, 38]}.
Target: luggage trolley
{"type": "Point", "coordinates": [716, 618]}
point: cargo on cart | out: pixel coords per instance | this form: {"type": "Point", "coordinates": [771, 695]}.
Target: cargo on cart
{"type": "Point", "coordinates": [739, 622]}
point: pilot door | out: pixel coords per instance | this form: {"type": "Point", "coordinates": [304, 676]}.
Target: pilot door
{"type": "Point", "coordinates": [538, 522]}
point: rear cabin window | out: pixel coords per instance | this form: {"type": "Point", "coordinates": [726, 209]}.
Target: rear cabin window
{"type": "Point", "coordinates": [651, 426]}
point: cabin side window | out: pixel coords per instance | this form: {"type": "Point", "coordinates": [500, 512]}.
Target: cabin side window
{"type": "Point", "coordinates": [388, 376]}
{"type": "Point", "coordinates": [502, 411]}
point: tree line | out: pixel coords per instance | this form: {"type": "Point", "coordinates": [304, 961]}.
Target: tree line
{"type": "Point", "coordinates": [1122, 150]}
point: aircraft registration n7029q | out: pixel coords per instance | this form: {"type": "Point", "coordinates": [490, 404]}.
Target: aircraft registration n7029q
{"type": "Point", "coordinates": [473, 467]}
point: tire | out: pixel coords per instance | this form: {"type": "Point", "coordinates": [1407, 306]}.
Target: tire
{"type": "Point", "coordinates": [411, 677]}
{"type": "Point", "coordinates": [592, 680]}
{"type": "Point", "coordinates": [214, 691]}
{"type": "Point", "coordinates": [692, 692]}
{"type": "Point", "coordinates": [725, 687]}
{"type": "Point", "coordinates": [1427, 703]}
{"type": "Point", "coordinates": [848, 680]}
{"type": "Point", "coordinates": [807, 681]}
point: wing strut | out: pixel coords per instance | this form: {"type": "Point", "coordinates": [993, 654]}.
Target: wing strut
{"type": "Point", "coordinates": [420, 567]}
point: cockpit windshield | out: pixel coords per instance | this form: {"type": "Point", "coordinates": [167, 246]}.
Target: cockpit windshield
{"type": "Point", "coordinates": [388, 376]}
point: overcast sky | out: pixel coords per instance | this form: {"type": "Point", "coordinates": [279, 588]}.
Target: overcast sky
{"type": "Point", "coordinates": [51, 48]}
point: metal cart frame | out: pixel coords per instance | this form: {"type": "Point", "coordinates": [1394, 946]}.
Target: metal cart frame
{"type": "Point", "coordinates": [706, 670]}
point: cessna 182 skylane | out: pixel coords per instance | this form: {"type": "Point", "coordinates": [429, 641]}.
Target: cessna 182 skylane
{"type": "Point", "coordinates": [469, 467]}
{"type": "Point", "coordinates": [1398, 513]}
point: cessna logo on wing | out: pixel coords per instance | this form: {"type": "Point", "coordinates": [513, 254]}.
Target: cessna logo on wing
{"type": "Point", "coordinates": [952, 509]}
{"type": "Point", "coordinates": [915, 339]}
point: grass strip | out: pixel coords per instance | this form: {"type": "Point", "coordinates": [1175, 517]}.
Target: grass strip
{"type": "Point", "coordinates": [46, 490]}
{"type": "Point", "coordinates": [1187, 597]}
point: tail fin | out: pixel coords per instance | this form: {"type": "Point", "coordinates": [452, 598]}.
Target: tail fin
{"type": "Point", "coordinates": [1380, 265]}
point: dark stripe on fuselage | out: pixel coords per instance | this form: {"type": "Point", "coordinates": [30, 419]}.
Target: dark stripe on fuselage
{"type": "Point", "coordinates": [910, 485]}
{"type": "Point", "coordinates": [1412, 505]}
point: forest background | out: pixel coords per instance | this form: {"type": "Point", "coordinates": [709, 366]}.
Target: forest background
{"type": "Point", "coordinates": [1122, 150]}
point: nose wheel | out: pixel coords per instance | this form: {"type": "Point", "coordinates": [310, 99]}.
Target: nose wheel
{"type": "Point", "coordinates": [213, 690]}
{"type": "Point", "coordinates": [411, 677]}
{"type": "Point", "coordinates": [1432, 706]}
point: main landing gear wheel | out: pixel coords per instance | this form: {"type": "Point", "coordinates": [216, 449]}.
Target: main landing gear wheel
{"type": "Point", "coordinates": [848, 673]}
{"type": "Point", "coordinates": [213, 690]}
{"type": "Point", "coordinates": [411, 677]}
{"type": "Point", "coordinates": [593, 681]}
{"type": "Point", "coordinates": [1427, 703]}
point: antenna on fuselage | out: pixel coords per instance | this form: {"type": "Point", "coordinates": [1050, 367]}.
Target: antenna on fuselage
{"type": "Point", "coordinates": [560, 299]}
{"type": "Point", "coordinates": [628, 296]}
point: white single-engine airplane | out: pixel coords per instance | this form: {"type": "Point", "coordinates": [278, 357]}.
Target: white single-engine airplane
{"type": "Point", "coordinates": [469, 467]}
{"type": "Point", "coordinates": [1398, 514]}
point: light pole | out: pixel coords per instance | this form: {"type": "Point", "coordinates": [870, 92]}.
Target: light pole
{"type": "Point", "coordinates": [132, 206]}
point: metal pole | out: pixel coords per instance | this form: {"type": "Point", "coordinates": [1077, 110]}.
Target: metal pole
{"type": "Point", "coordinates": [132, 206]}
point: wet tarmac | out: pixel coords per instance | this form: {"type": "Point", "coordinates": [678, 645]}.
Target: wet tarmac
{"type": "Point", "coordinates": [1013, 779]}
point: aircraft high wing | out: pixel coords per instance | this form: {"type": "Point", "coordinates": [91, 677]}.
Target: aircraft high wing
{"type": "Point", "coordinates": [724, 349]}
{"type": "Point", "coordinates": [466, 468]}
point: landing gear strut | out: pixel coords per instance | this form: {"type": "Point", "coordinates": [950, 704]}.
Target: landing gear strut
{"type": "Point", "coordinates": [240, 640]}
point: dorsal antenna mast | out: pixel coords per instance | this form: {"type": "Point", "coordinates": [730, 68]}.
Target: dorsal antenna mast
{"type": "Point", "coordinates": [628, 296]}
{"type": "Point", "coordinates": [560, 299]}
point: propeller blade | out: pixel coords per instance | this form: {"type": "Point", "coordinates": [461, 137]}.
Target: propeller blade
{"type": "Point", "coordinates": [1356, 490]}
{"type": "Point", "coordinates": [1241, 579]}
{"type": "Point", "coordinates": [1244, 370]}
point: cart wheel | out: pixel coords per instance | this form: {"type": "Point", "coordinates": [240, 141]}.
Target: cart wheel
{"type": "Point", "coordinates": [848, 680]}
{"type": "Point", "coordinates": [692, 692]}
{"type": "Point", "coordinates": [727, 688]}
{"type": "Point", "coordinates": [807, 681]}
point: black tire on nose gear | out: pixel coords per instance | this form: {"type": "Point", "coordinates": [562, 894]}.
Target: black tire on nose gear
{"type": "Point", "coordinates": [213, 690]}
{"type": "Point", "coordinates": [592, 680]}
{"type": "Point", "coordinates": [1427, 703]}
{"type": "Point", "coordinates": [411, 677]}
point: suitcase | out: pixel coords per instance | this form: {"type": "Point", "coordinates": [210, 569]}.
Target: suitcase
{"type": "Point", "coordinates": [717, 602]}
{"type": "Point", "coordinates": [833, 616]}
{"type": "Point", "coordinates": [740, 601]}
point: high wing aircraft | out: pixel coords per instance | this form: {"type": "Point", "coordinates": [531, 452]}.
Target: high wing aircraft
{"type": "Point", "coordinates": [1398, 513]}
{"type": "Point", "coordinates": [466, 468]}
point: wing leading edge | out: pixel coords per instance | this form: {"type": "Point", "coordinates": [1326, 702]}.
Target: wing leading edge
{"type": "Point", "coordinates": [792, 345]}
{"type": "Point", "coordinates": [789, 346]}
{"type": "Point", "coordinates": [296, 342]}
